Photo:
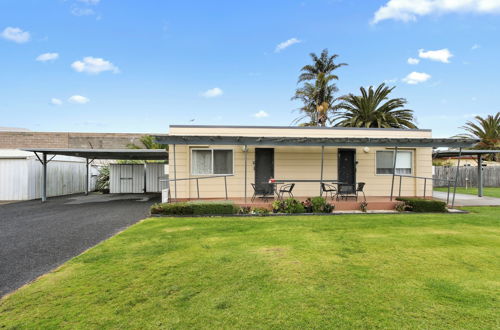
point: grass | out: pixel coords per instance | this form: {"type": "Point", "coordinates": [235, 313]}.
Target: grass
{"type": "Point", "coordinates": [487, 191]}
{"type": "Point", "coordinates": [350, 271]}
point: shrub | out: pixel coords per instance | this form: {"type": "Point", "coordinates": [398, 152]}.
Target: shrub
{"type": "Point", "coordinates": [423, 205]}
{"type": "Point", "coordinates": [102, 183]}
{"type": "Point", "coordinates": [363, 206]}
{"type": "Point", "coordinates": [289, 205]}
{"type": "Point", "coordinates": [260, 211]}
{"type": "Point", "coordinates": [245, 210]}
{"type": "Point", "coordinates": [317, 205]}
{"type": "Point", "coordinates": [400, 206]}
{"type": "Point", "coordinates": [194, 208]}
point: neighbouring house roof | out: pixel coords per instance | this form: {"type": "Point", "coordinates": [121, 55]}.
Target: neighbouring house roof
{"type": "Point", "coordinates": [121, 154]}
{"type": "Point", "coordinates": [301, 127]}
{"type": "Point", "coordinates": [314, 141]}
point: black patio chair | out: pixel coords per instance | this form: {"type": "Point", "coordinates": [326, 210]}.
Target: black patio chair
{"type": "Point", "coordinates": [286, 189]}
{"type": "Point", "coordinates": [264, 191]}
{"type": "Point", "coordinates": [359, 188]}
{"type": "Point", "coordinates": [328, 188]}
{"type": "Point", "coordinates": [346, 191]}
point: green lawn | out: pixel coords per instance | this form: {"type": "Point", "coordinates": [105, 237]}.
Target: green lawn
{"type": "Point", "coordinates": [349, 271]}
{"type": "Point", "coordinates": [487, 191]}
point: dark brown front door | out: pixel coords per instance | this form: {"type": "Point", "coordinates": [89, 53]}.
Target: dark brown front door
{"type": "Point", "coordinates": [264, 167]}
{"type": "Point", "coordinates": [347, 166]}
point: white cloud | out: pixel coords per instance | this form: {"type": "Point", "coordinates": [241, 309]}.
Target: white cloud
{"type": "Point", "coordinates": [82, 11]}
{"type": "Point", "coordinates": [475, 46]}
{"type": "Point", "coordinates": [47, 57]}
{"type": "Point", "coordinates": [413, 61]}
{"type": "Point", "coordinates": [94, 65]}
{"type": "Point", "coordinates": [55, 101]}
{"type": "Point", "coordinates": [410, 10]}
{"type": "Point", "coordinates": [213, 92]}
{"type": "Point", "coordinates": [78, 99]}
{"type": "Point", "coordinates": [416, 78]}
{"type": "Point", "coordinates": [15, 34]}
{"type": "Point", "coordinates": [286, 44]}
{"type": "Point", "coordinates": [441, 55]}
{"type": "Point", "coordinates": [261, 114]}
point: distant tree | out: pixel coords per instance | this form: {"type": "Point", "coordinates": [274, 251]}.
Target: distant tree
{"type": "Point", "coordinates": [373, 108]}
{"type": "Point", "coordinates": [147, 142]}
{"type": "Point", "coordinates": [317, 93]}
{"type": "Point", "coordinates": [487, 130]}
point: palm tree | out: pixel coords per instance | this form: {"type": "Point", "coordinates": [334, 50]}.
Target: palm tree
{"type": "Point", "coordinates": [148, 143]}
{"type": "Point", "coordinates": [485, 129]}
{"type": "Point", "coordinates": [317, 96]}
{"type": "Point", "coordinates": [373, 108]}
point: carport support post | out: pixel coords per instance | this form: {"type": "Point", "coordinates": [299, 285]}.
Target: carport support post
{"type": "Point", "coordinates": [479, 175]}
{"type": "Point", "coordinates": [456, 178]}
{"type": "Point", "coordinates": [321, 178]}
{"type": "Point", "coordinates": [175, 177]}
{"type": "Point", "coordinates": [86, 176]}
{"type": "Point", "coordinates": [245, 150]}
{"type": "Point", "coordinates": [394, 169]}
{"type": "Point", "coordinates": [44, 177]}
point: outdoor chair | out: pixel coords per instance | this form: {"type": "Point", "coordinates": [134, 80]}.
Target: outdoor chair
{"type": "Point", "coordinates": [346, 191]}
{"type": "Point", "coordinates": [359, 188]}
{"type": "Point", "coordinates": [286, 189]}
{"type": "Point", "coordinates": [328, 188]}
{"type": "Point", "coordinates": [263, 192]}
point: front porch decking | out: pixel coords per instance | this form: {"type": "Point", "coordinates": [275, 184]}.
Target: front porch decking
{"type": "Point", "coordinates": [374, 202]}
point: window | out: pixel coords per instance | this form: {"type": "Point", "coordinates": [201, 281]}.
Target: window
{"type": "Point", "coordinates": [385, 162]}
{"type": "Point", "coordinates": [211, 161]}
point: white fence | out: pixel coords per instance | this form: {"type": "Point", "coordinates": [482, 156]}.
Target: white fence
{"type": "Point", "coordinates": [21, 178]}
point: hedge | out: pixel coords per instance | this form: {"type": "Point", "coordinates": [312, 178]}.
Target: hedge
{"type": "Point", "coordinates": [194, 208]}
{"type": "Point", "coordinates": [423, 205]}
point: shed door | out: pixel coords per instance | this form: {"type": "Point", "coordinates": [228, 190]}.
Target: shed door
{"type": "Point", "coordinates": [347, 166]}
{"type": "Point", "coordinates": [264, 167]}
{"type": "Point", "coordinates": [126, 179]}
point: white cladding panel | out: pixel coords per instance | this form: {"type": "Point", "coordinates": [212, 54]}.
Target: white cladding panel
{"type": "Point", "coordinates": [21, 179]}
{"type": "Point", "coordinates": [154, 173]}
{"type": "Point", "coordinates": [126, 178]}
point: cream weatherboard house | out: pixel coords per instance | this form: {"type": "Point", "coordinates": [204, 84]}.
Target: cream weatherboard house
{"type": "Point", "coordinates": [211, 162]}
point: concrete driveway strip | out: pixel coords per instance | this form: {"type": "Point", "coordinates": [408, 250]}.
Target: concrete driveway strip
{"type": "Point", "coordinates": [36, 238]}
{"type": "Point", "coordinates": [467, 200]}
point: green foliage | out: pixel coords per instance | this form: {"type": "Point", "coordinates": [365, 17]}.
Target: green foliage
{"type": "Point", "coordinates": [363, 206]}
{"type": "Point", "coordinates": [260, 211]}
{"type": "Point", "coordinates": [317, 205]}
{"type": "Point", "coordinates": [373, 108]}
{"type": "Point", "coordinates": [194, 208]}
{"type": "Point", "coordinates": [317, 93]}
{"type": "Point", "coordinates": [400, 206]}
{"type": "Point", "coordinates": [423, 205]}
{"type": "Point", "coordinates": [245, 210]}
{"type": "Point", "coordinates": [289, 205]}
{"type": "Point", "coordinates": [102, 183]}
{"type": "Point", "coordinates": [487, 130]}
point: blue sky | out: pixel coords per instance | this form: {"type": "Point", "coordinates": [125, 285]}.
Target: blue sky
{"type": "Point", "coordinates": [139, 66]}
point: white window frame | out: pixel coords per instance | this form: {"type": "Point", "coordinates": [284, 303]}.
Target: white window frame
{"type": "Point", "coordinates": [412, 152]}
{"type": "Point", "coordinates": [212, 150]}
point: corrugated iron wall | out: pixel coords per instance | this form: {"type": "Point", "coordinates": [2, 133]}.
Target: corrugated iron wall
{"type": "Point", "coordinates": [129, 178]}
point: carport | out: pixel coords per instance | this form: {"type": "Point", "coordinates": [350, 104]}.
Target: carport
{"type": "Point", "coordinates": [479, 157]}
{"type": "Point", "coordinates": [92, 154]}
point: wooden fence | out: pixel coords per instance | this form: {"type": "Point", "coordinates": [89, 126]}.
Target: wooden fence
{"type": "Point", "coordinates": [467, 174]}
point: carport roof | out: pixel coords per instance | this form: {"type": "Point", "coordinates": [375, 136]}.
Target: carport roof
{"type": "Point", "coordinates": [122, 154]}
{"type": "Point", "coordinates": [456, 153]}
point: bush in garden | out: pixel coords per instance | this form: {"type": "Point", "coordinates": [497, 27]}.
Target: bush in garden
{"type": "Point", "coordinates": [194, 208]}
{"type": "Point", "coordinates": [279, 206]}
{"type": "Point", "coordinates": [363, 206]}
{"type": "Point", "coordinates": [260, 211]}
{"type": "Point", "coordinates": [293, 206]}
{"type": "Point", "coordinates": [423, 205]}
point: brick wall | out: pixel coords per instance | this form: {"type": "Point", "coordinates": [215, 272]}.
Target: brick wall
{"type": "Point", "coordinates": [15, 140]}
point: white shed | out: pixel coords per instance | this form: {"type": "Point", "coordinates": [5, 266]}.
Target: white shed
{"type": "Point", "coordinates": [21, 175]}
{"type": "Point", "coordinates": [136, 178]}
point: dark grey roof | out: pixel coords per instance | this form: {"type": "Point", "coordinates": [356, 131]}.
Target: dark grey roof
{"type": "Point", "coordinates": [313, 141]}
{"type": "Point", "coordinates": [455, 153]}
{"type": "Point", "coordinates": [304, 127]}
{"type": "Point", "coordinates": [124, 154]}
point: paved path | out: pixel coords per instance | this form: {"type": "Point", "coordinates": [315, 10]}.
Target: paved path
{"type": "Point", "coordinates": [467, 200]}
{"type": "Point", "coordinates": [36, 238]}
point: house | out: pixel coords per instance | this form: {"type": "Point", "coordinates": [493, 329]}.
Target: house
{"type": "Point", "coordinates": [212, 162]}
